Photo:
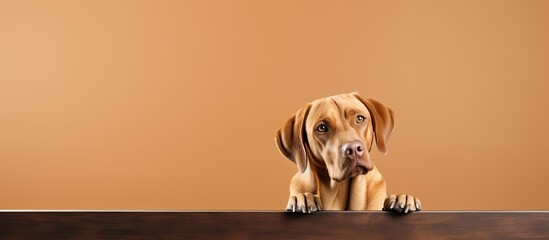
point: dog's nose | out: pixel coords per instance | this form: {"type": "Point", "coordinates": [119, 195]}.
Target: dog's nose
{"type": "Point", "coordinates": [352, 149]}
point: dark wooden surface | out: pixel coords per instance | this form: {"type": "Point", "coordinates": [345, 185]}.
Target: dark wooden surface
{"type": "Point", "coordinates": [272, 225]}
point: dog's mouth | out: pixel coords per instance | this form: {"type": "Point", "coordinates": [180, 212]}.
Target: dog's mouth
{"type": "Point", "coordinates": [355, 168]}
{"type": "Point", "coordinates": [359, 170]}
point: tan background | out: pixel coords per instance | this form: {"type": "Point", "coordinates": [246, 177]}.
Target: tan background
{"type": "Point", "coordinates": [174, 104]}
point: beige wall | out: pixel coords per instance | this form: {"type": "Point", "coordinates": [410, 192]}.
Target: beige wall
{"type": "Point", "coordinates": [174, 104]}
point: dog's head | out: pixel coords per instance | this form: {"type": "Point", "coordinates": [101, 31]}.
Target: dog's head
{"type": "Point", "coordinates": [336, 133]}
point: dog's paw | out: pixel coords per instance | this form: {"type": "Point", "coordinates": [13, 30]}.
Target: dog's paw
{"type": "Point", "coordinates": [304, 203]}
{"type": "Point", "coordinates": [401, 203]}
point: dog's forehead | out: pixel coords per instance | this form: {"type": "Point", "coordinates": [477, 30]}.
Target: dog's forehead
{"type": "Point", "coordinates": [335, 105]}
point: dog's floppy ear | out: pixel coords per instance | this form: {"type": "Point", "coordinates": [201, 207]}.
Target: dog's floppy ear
{"type": "Point", "coordinates": [382, 120]}
{"type": "Point", "coordinates": [291, 139]}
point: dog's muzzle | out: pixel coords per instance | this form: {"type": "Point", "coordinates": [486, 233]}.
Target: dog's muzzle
{"type": "Point", "coordinates": [358, 161]}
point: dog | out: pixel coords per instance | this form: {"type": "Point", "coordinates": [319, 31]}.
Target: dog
{"type": "Point", "coordinates": [330, 140]}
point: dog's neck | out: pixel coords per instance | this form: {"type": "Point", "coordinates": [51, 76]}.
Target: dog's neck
{"type": "Point", "coordinates": [333, 194]}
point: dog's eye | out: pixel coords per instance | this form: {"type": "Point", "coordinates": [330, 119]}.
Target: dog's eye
{"type": "Point", "coordinates": [360, 118]}
{"type": "Point", "coordinates": [322, 127]}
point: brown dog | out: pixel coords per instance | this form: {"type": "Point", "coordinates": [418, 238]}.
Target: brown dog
{"type": "Point", "coordinates": [329, 140]}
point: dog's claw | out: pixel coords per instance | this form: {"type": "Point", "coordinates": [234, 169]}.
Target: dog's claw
{"type": "Point", "coordinates": [304, 203]}
{"type": "Point", "coordinates": [401, 203]}
{"type": "Point", "coordinates": [292, 202]}
{"type": "Point", "coordinates": [390, 202]}
{"type": "Point", "coordinates": [318, 203]}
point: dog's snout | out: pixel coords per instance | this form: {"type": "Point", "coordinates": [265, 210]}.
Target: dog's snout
{"type": "Point", "coordinates": [352, 149]}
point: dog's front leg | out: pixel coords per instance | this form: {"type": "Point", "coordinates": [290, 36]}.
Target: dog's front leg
{"type": "Point", "coordinates": [304, 193]}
